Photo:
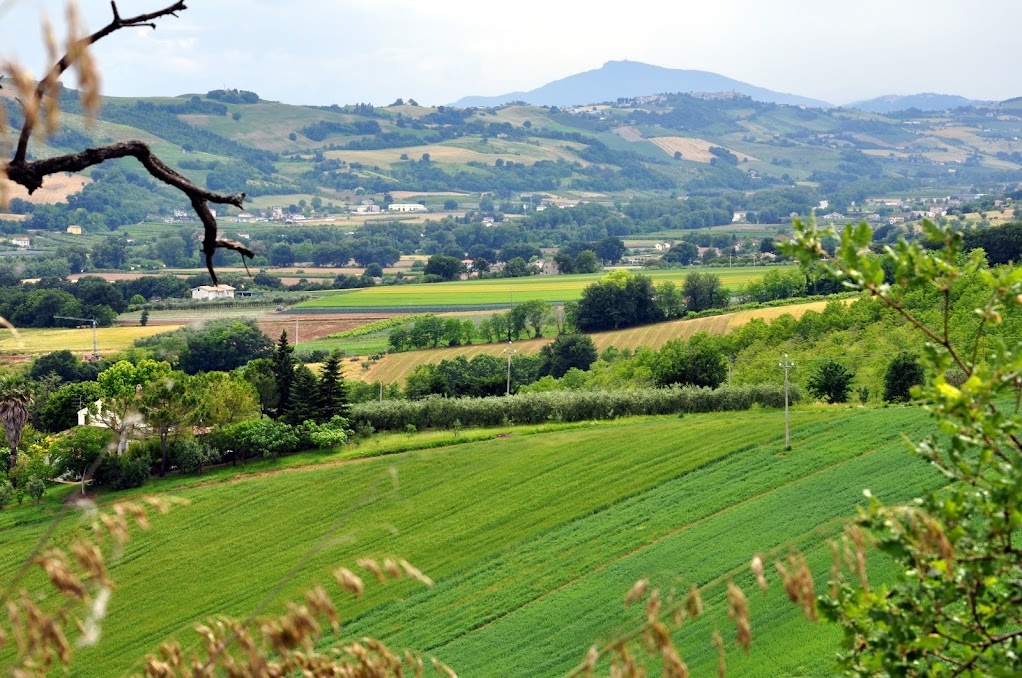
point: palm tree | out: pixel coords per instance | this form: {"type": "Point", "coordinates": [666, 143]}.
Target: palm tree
{"type": "Point", "coordinates": [15, 399]}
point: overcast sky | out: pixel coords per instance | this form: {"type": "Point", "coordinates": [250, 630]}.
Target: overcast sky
{"type": "Point", "coordinates": [322, 52]}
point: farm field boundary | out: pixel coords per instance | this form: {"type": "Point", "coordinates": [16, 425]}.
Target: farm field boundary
{"type": "Point", "coordinates": [395, 367]}
{"type": "Point", "coordinates": [501, 292]}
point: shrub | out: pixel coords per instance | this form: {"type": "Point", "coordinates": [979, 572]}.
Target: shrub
{"type": "Point", "coordinates": [830, 381]}
{"type": "Point", "coordinates": [35, 488]}
{"type": "Point", "coordinates": [333, 433]}
{"type": "Point", "coordinates": [257, 438]}
{"type": "Point", "coordinates": [6, 493]}
{"type": "Point", "coordinates": [902, 374]}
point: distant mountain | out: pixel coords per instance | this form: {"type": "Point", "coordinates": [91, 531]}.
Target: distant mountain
{"type": "Point", "coordinates": [616, 79]}
{"type": "Point", "coordinates": [927, 101]}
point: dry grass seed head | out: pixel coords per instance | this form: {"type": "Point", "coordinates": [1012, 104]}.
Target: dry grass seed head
{"type": "Point", "coordinates": [718, 642]}
{"type": "Point", "coordinates": [738, 612]}
{"type": "Point", "coordinates": [859, 540]}
{"type": "Point", "coordinates": [55, 564]}
{"type": "Point", "coordinates": [757, 570]}
{"type": "Point", "coordinates": [85, 67]}
{"type": "Point", "coordinates": [589, 663]}
{"type": "Point", "coordinates": [835, 567]}
{"type": "Point", "coordinates": [90, 558]}
{"type": "Point", "coordinates": [637, 592]}
{"type": "Point", "coordinates": [318, 600]}
{"type": "Point", "coordinates": [414, 573]}
{"type": "Point", "coordinates": [674, 667]}
{"type": "Point", "coordinates": [349, 581]}
{"type": "Point", "coordinates": [653, 605]}
{"type": "Point", "coordinates": [693, 602]}
{"type": "Point", "coordinates": [372, 566]}
{"type": "Point", "coordinates": [392, 568]}
{"type": "Point", "coordinates": [49, 87]}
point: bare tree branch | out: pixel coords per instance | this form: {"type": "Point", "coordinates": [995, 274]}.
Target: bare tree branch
{"type": "Point", "coordinates": [67, 60]}
{"type": "Point", "coordinates": [31, 174]}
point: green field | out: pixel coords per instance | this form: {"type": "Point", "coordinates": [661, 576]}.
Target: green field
{"type": "Point", "coordinates": [532, 539]}
{"type": "Point", "coordinates": [500, 291]}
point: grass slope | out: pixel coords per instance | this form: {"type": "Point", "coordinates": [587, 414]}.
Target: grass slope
{"type": "Point", "coordinates": [532, 539]}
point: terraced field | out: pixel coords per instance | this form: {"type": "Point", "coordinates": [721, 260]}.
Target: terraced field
{"type": "Point", "coordinates": [497, 292]}
{"type": "Point", "coordinates": [395, 367]}
{"type": "Point", "coordinates": [532, 539]}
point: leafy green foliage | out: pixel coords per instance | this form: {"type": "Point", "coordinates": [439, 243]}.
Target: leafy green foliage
{"type": "Point", "coordinates": [704, 291]}
{"type": "Point", "coordinates": [223, 345]}
{"type": "Point", "coordinates": [616, 302]}
{"type": "Point", "coordinates": [903, 373]}
{"type": "Point", "coordinates": [953, 609]}
{"type": "Point", "coordinates": [831, 382]}
{"type": "Point", "coordinates": [567, 351]}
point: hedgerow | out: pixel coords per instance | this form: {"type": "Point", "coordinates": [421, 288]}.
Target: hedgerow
{"type": "Point", "coordinates": [534, 408]}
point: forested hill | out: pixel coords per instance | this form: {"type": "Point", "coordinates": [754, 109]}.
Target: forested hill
{"type": "Point", "coordinates": [662, 145]}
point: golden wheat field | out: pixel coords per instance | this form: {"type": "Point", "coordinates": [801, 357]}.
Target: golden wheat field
{"type": "Point", "coordinates": [109, 339]}
{"type": "Point", "coordinates": [691, 148]}
{"type": "Point", "coordinates": [395, 367]}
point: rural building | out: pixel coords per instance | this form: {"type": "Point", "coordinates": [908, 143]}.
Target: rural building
{"type": "Point", "coordinates": [367, 207]}
{"type": "Point", "coordinates": [21, 241]}
{"type": "Point", "coordinates": [74, 229]}
{"type": "Point", "coordinates": [406, 207]}
{"type": "Point", "coordinates": [213, 292]}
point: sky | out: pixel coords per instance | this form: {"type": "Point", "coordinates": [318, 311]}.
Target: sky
{"type": "Point", "coordinates": [341, 52]}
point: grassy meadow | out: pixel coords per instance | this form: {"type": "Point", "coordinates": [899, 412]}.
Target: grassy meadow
{"type": "Point", "coordinates": [532, 537]}
{"type": "Point", "coordinates": [500, 291]}
{"type": "Point", "coordinates": [44, 340]}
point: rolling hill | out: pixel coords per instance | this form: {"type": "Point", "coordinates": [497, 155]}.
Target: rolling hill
{"type": "Point", "coordinates": [629, 79]}
{"type": "Point", "coordinates": [532, 536]}
{"type": "Point", "coordinates": [927, 101]}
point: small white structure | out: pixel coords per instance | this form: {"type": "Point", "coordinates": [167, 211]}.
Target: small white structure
{"type": "Point", "coordinates": [213, 292]}
{"type": "Point", "coordinates": [406, 207]}
{"type": "Point", "coordinates": [367, 207]}
{"type": "Point", "coordinates": [21, 241]}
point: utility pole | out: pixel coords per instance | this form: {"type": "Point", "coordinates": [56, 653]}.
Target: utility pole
{"type": "Point", "coordinates": [296, 331]}
{"type": "Point", "coordinates": [730, 366]}
{"type": "Point", "coordinates": [786, 365]}
{"type": "Point", "coordinates": [510, 352]}
{"type": "Point", "coordinates": [95, 348]}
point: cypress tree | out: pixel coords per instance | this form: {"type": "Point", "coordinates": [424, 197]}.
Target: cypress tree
{"type": "Point", "coordinates": [283, 373]}
{"type": "Point", "coordinates": [331, 392]}
{"type": "Point", "coordinates": [304, 394]}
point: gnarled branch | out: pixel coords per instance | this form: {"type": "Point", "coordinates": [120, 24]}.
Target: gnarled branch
{"type": "Point", "coordinates": [67, 60]}
{"type": "Point", "coordinates": [30, 174]}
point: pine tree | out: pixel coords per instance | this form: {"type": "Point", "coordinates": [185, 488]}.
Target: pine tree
{"type": "Point", "coordinates": [331, 392]}
{"type": "Point", "coordinates": [283, 373]}
{"type": "Point", "coordinates": [304, 393]}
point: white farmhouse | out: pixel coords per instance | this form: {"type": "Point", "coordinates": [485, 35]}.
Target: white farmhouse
{"type": "Point", "coordinates": [213, 292]}
{"type": "Point", "coordinates": [406, 207]}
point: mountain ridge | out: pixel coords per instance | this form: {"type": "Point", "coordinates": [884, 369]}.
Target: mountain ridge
{"type": "Point", "coordinates": [627, 79]}
{"type": "Point", "coordinates": [923, 101]}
